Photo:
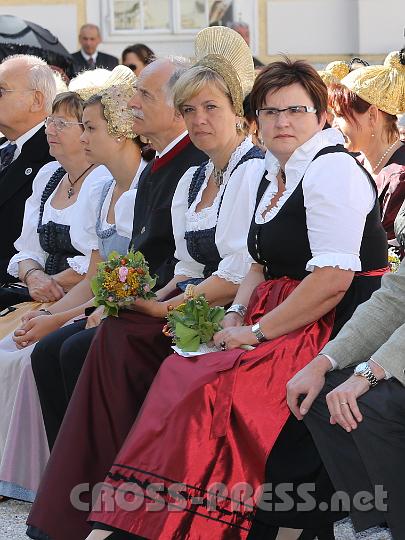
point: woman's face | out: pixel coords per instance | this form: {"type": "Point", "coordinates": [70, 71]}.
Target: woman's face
{"type": "Point", "coordinates": [133, 61]}
{"type": "Point", "coordinates": [98, 145]}
{"type": "Point", "coordinates": [283, 133]}
{"type": "Point", "coordinates": [210, 120]}
{"type": "Point", "coordinates": [356, 133]}
{"type": "Point", "coordinates": [63, 132]}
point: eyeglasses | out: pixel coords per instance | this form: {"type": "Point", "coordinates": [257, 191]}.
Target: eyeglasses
{"type": "Point", "coordinates": [5, 90]}
{"type": "Point", "coordinates": [294, 111]}
{"type": "Point", "coordinates": [59, 123]}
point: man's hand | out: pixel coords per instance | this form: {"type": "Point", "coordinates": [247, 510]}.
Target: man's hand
{"type": "Point", "coordinates": [342, 402]}
{"type": "Point", "coordinates": [308, 382]}
{"type": "Point", "coordinates": [44, 288]}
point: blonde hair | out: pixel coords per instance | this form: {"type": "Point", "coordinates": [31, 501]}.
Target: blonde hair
{"type": "Point", "coordinates": [193, 81]}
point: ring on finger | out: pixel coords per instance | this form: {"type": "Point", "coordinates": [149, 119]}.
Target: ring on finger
{"type": "Point", "coordinates": [344, 403]}
{"type": "Point", "coordinates": [223, 346]}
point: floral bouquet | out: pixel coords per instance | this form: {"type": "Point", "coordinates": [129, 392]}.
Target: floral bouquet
{"type": "Point", "coordinates": [193, 323]}
{"type": "Point", "coordinates": [120, 280]}
{"type": "Point", "coordinates": [393, 259]}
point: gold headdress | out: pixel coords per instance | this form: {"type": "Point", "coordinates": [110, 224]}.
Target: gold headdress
{"type": "Point", "coordinates": [224, 51]}
{"type": "Point", "coordinates": [382, 86]}
{"type": "Point", "coordinates": [119, 117]}
{"type": "Point", "coordinates": [119, 75]}
{"type": "Point", "coordinates": [334, 72]}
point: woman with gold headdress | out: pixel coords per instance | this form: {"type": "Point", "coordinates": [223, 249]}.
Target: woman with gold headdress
{"type": "Point", "coordinates": [195, 459]}
{"type": "Point", "coordinates": [366, 105]}
{"type": "Point", "coordinates": [211, 213]}
{"type": "Point", "coordinates": [92, 224]}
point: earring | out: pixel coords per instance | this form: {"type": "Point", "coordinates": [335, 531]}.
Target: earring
{"type": "Point", "coordinates": [118, 139]}
{"type": "Point", "coordinates": [239, 126]}
{"type": "Point", "coordinates": [372, 135]}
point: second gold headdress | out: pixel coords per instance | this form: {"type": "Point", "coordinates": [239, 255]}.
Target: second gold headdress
{"type": "Point", "coordinates": [224, 51]}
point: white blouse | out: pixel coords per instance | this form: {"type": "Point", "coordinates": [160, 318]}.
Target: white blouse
{"type": "Point", "coordinates": [124, 206]}
{"type": "Point", "coordinates": [337, 196]}
{"type": "Point", "coordinates": [75, 215]}
{"type": "Point", "coordinates": [232, 223]}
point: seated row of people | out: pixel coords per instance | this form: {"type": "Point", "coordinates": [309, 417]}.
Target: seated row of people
{"type": "Point", "coordinates": [292, 240]}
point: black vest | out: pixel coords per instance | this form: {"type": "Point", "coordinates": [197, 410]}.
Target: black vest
{"type": "Point", "coordinates": [282, 246]}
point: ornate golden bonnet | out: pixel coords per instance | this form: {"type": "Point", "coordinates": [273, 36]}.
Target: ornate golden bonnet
{"type": "Point", "coordinates": [382, 85]}
{"type": "Point", "coordinates": [224, 51]}
{"type": "Point", "coordinates": [115, 93]}
{"type": "Point", "coordinates": [334, 72]}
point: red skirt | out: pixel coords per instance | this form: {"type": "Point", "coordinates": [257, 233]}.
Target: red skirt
{"type": "Point", "coordinates": [208, 425]}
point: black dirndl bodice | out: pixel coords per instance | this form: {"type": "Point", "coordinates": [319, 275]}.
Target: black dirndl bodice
{"type": "Point", "coordinates": [201, 244]}
{"type": "Point", "coordinates": [54, 238]}
{"type": "Point", "coordinates": [282, 245]}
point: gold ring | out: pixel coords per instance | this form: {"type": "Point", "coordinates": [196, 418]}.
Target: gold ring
{"type": "Point", "coordinates": [344, 403]}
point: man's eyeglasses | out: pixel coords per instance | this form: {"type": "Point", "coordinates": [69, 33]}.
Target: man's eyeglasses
{"type": "Point", "coordinates": [59, 123]}
{"type": "Point", "coordinates": [6, 90]}
{"type": "Point", "coordinates": [295, 111]}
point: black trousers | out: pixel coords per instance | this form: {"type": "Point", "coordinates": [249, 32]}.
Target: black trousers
{"type": "Point", "coordinates": [370, 456]}
{"type": "Point", "coordinates": [57, 361]}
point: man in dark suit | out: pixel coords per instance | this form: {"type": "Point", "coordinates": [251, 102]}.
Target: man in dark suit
{"type": "Point", "coordinates": [27, 90]}
{"type": "Point", "coordinates": [89, 57]}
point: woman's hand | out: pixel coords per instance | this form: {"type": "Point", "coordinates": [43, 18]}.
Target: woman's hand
{"type": "Point", "coordinates": [44, 288]}
{"type": "Point", "coordinates": [150, 307]}
{"type": "Point", "coordinates": [31, 315]}
{"type": "Point", "coordinates": [35, 329]}
{"type": "Point", "coordinates": [96, 317]}
{"type": "Point", "coordinates": [234, 337]}
{"type": "Point", "coordinates": [232, 320]}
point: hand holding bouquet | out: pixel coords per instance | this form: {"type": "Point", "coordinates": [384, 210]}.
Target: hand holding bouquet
{"type": "Point", "coordinates": [193, 323]}
{"type": "Point", "coordinates": [120, 280]}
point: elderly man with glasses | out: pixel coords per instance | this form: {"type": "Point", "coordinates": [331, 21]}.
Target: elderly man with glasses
{"type": "Point", "coordinates": [27, 89]}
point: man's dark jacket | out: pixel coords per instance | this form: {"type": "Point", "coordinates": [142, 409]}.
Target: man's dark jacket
{"type": "Point", "coordinates": [103, 60]}
{"type": "Point", "coordinates": [15, 188]}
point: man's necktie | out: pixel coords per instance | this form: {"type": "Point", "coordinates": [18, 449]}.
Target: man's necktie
{"type": "Point", "coordinates": [90, 63]}
{"type": "Point", "coordinates": [6, 155]}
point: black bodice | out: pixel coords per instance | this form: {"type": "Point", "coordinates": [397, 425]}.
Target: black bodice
{"type": "Point", "coordinates": [54, 237]}
{"type": "Point", "coordinates": [282, 246]}
{"type": "Point", "coordinates": [201, 244]}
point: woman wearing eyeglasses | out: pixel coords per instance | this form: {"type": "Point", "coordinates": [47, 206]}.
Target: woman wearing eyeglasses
{"type": "Point", "coordinates": [137, 56]}
{"type": "Point", "coordinates": [50, 260]}
{"type": "Point", "coordinates": [214, 429]}
{"type": "Point", "coordinates": [108, 212]}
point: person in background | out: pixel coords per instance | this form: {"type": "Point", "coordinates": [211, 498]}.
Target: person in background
{"type": "Point", "coordinates": [137, 56]}
{"type": "Point", "coordinates": [365, 105]}
{"type": "Point", "coordinates": [88, 57]}
{"type": "Point", "coordinates": [401, 126]}
{"type": "Point", "coordinates": [27, 90]}
{"type": "Point", "coordinates": [243, 29]}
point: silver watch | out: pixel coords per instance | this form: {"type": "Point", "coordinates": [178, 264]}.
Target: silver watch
{"type": "Point", "coordinates": [364, 370]}
{"type": "Point", "coordinates": [240, 309]}
{"type": "Point", "coordinates": [258, 333]}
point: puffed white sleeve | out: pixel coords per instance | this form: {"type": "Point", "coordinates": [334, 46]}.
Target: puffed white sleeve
{"type": "Point", "coordinates": [27, 244]}
{"type": "Point", "coordinates": [186, 265]}
{"type": "Point", "coordinates": [337, 196]}
{"type": "Point", "coordinates": [84, 217]}
{"type": "Point", "coordinates": [234, 221]}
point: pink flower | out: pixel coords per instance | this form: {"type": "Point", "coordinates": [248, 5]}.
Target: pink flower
{"type": "Point", "coordinates": [122, 273]}
{"type": "Point", "coordinates": [146, 288]}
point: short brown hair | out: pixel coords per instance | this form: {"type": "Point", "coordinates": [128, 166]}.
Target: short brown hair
{"type": "Point", "coordinates": [345, 103]}
{"type": "Point", "coordinates": [284, 73]}
{"type": "Point", "coordinates": [71, 102]}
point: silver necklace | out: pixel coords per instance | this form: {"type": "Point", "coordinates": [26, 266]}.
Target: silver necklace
{"type": "Point", "coordinates": [384, 154]}
{"type": "Point", "coordinates": [218, 175]}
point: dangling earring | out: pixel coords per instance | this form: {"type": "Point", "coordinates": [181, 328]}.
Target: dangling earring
{"type": "Point", "coordinates": [239, 126]}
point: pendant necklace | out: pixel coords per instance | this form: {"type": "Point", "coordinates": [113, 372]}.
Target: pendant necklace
{"type": "Point", "coordinates": [218, 175]}
{"type": "Point", "coordinates": [71, 191]}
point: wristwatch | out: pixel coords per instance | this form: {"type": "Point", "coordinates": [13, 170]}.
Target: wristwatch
{"type": "Point", "coordinates": [258, 333]}
{"type": "Point", "coordinates": [240, 309]}
{"type": "Point", "coordinates": [364, 370]}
